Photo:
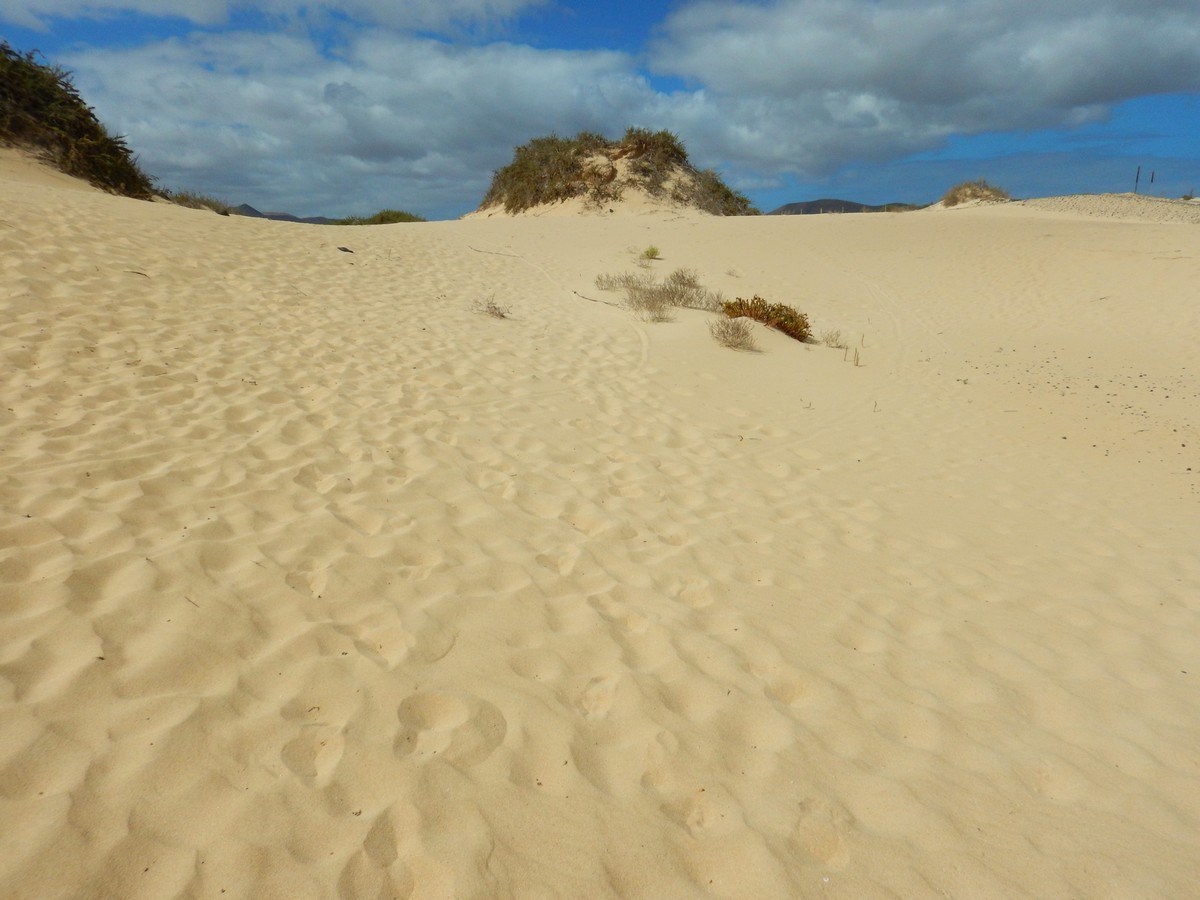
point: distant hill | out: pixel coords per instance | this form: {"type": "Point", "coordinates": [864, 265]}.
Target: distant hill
{"type": "Point", "coordinates": [247, 210]}
{"type": "Point", "coordinates": [383, 217]}
{"type": "Point", "coordinates": [816, 207]}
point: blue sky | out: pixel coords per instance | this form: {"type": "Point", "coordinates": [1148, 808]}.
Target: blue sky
{"type": "Point", "coordinates": [349, 107]}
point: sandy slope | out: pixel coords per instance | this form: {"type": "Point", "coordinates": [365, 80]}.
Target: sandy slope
{"type": "Point", "coordinates": [316, 583]}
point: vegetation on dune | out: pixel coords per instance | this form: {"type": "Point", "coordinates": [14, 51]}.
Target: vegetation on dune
{"type": "Point", "coordinates": [383, 217]}
{"type": "Point", "coordinates": [655, 301]}
{"type": "Point", "coordinates": [974, 190]}
{"type": "Point", "coordinates": [41, 110]}
{"type": "Point", "coordinates": [552, 169]}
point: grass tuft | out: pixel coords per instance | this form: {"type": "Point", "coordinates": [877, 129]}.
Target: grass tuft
{"type": "Point", "coordinates": [774, 315]}
{"type": "Point", "coordinates": [833, 338]}
{"type": "Point", "coordinates": [655, 299]}
{"type": "Point", "coordinates": [736, 334]}
{"type": "Point", "coordinates": [200, 201]}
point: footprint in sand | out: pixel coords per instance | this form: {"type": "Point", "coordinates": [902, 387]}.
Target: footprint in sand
{"type": "Point", "coordinates": [382, 638]}
{"type": "Point", "coordinates": [312, 582]}
{"type": "Point", "coordinates": [452, 726]}
{"type": "Point", "coordinates": [314, 754]}
{"type": "Point", "coordinates": [819, 835]}
{"type": "Point", "coordinates": [597, 698]}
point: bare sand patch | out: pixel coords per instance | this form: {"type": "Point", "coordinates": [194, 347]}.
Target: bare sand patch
{"type": "Point", "coordinates": [317, 583]}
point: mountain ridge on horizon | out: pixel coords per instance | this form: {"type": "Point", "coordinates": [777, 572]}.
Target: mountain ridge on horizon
{"type": "Point", "coordinates": [834, 205]}
{"type": "Point", "coordinates": [249, 211]}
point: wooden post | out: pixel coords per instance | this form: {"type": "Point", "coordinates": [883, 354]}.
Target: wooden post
{"type": "Point", "coordinates": [1136, 179]}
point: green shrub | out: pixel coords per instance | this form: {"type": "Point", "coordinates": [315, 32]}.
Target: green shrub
{"type": "Point", "coordinates": [774, 315]}
{"type": "Point", "coordinates": [41, 109]}
{"type": "Point", "coordinates": [973, 190]}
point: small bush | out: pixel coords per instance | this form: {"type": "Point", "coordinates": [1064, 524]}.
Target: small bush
{"type": "Point", "coordinates": [650, 301]}
{"type": "Point", "coordinates": [651, 252]}
{"type": "Point", "coordinates": [974, 190]}
{"type": "Point", "coordinates": [683, 288]}
{"type": "Point", "coordinates": [736, 334]}
{"type": "Point", "coordinates": [774, 315]}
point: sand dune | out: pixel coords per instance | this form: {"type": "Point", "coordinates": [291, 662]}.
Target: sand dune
{"type": "Point", "coordinates": [318, 583]}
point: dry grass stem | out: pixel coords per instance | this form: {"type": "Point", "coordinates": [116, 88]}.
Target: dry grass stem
{"type": "Point", "coordinates": [833, 338]}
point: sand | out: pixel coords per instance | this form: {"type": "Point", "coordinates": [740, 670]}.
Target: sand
{"type": "Point", "coordinates": [317, 582]}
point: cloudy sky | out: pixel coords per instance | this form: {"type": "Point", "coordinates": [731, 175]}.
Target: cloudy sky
{"type": "Point", "coordinates": [348, 107]}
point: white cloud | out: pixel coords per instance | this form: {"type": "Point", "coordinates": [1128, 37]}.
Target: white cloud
{"type": "Point", "coordinates": [812, 82]}
{"type": "Point", "coordinates": [410, 14]}
{"type": "Point", "coordinates": [394, 121]}
{"type": "Point", "coordinates": [35, 13]}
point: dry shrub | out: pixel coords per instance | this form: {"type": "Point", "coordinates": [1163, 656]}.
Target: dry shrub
{"type": "Point", "coordinates": [490, 307]}
{"type": "Point", "coordinates": [736, 334]}
{"type": "Point", "coordinates": [623, 281]}
{"type": "Point", "coordinates": [683, 288]}
{"type": "Point", "coordinates": [974, 190]}
{"type": "Point", "coordinates": [654, 300]}
{"type": "Point", "coordinates": [650, 301]}
{"type": "Point", "coordinates": [774, 315]}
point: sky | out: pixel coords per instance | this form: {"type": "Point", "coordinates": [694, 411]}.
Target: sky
{"type": "Point", "coordinates": [346, 108]}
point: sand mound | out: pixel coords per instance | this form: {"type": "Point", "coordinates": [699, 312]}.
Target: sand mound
{"type": "Point", "coordinates": [1124, 207]}
{"type": "Point", "coordinates": [317, 583]}
{"type": "Point", "coordinates": [1133, 207]}
{"type": "Point", "coordinates": [644, 171]}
